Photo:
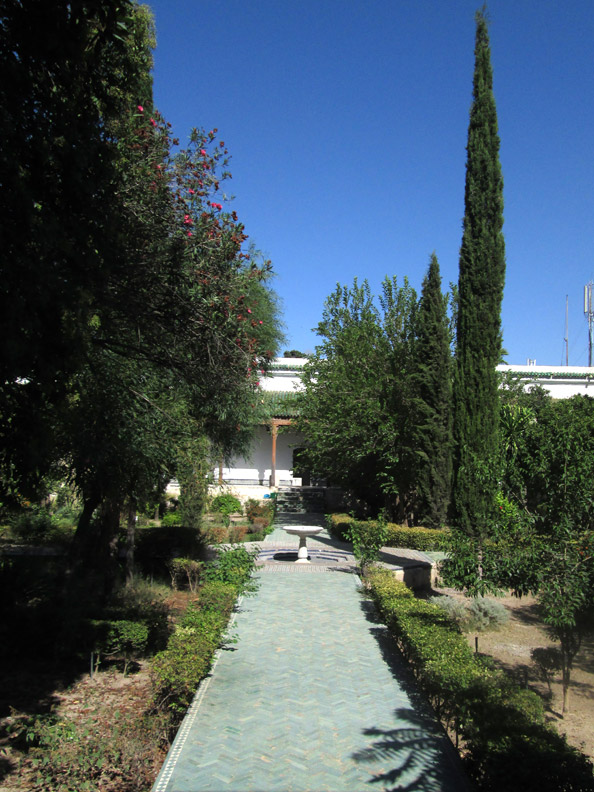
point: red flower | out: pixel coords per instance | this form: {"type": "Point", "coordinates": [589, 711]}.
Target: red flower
{"type": "Point", "coordinates": [191, 191]}
{"type": "Point", "coordinates": [153, 122]}
{"type": "Point", "coordinates": [140, 108]}
{"type": "Point", "coordinates": [203, 152]}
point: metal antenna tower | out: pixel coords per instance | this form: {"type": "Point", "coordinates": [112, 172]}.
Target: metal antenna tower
{"type": "Point", "coordinates": [566, 339]}
{"type": "Point", "coordinates": [589, 314]}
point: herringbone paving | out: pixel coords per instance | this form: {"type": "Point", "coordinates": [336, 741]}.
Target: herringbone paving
{"type": "Point", "coordinates": [310, 698]}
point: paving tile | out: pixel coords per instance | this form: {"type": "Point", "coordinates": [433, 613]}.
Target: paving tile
{"type": "Point", "coordinates": [308, 699]}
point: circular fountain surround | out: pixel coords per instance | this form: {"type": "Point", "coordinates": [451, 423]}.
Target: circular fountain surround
{"type": "Point", "coordinates": [302, 531]}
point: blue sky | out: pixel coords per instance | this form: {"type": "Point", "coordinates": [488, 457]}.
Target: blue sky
{"type": "Point", "coordinates": [347, 120]}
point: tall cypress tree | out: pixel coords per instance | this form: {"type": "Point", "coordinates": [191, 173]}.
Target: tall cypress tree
{"type": "Point", "coordinates": [432, 405]}
{"type": "Point", "coordinates": [481, 279]}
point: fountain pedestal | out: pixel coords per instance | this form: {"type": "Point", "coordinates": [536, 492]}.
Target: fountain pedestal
{"type": "Point", "coordinates": [302, 531]}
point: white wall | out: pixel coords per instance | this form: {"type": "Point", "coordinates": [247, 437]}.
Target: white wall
{"type": "Point", "coordinates": [562, 382]}
{"type": "Point", "coordinates": [255, 467]}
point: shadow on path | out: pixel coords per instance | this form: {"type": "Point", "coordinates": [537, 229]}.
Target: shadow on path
{"type": "Point", "coordinates": [409, 750]}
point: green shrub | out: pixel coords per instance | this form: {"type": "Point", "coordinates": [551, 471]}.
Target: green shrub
{"type": "Point", "coordinates": [232, 566]}
{"type": "Point", "coordinates": [177, 671]}
{"type": "Point", "coordinates": [507, 743]}
{"type": "Point", "coordinates": [226, 504]}
{"type": "Point", "coordinates": [31, 525]}
{"type": "Point", "coordinates": [160, 543]}
{"type": "Point", "coordinates": [187, 570]}
{"type": "Point", "coordinates": [216, 595]}
{"type": "Point", "coordinates": [143, 601]}
{"type": "Point", "coordinates": [455, 608]}
{"type": "Point", "coordinates": [368, 538]}
{"type": "Point", "coordinates": [120, 639]}
{"type": "Point", "coordinates": [171, 518]}
{"type": "Point", "coordinates": [67, 756]}
{"type": "Point", "coordinates": [339, 526]}
{"type": "Point", "coordinates": [476, 615]}
{"type": "Point", "coordinates": [237, 533]}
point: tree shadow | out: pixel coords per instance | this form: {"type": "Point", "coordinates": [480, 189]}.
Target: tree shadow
{"type": "Point", "coordinates": [418, 758]}
{"type": "Point", "coordinates": [420, 754]}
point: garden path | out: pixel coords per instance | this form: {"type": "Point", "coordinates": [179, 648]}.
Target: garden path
{"type": "Point", "coordinates": [312, 696]}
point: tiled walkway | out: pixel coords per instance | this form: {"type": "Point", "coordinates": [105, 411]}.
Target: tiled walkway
{"type": "Point", "coordinates": [310, 698]}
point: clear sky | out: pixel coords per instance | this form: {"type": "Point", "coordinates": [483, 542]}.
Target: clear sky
{"type": "Point", "coordinates": [347, 121]}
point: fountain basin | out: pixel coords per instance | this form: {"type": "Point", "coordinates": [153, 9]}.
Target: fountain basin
{"type": "Point", "coordinates": [302, 531]}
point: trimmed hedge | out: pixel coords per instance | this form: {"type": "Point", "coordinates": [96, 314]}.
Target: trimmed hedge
{"type": "Point", "coordinates": [398, 535]}
{"type": "Point", "coordinates": [177, 671]}
{"type": "Point", "coordinates": [508, 747]}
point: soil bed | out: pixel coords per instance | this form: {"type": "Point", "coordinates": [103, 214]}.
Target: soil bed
{"type": "Point", "coordinates": [511, 648]}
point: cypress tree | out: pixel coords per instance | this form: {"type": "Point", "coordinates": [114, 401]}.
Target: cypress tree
{"type": "Point", "coordinates": [432, 406]}
{"type": "Point", "coordinates": [481, 279]}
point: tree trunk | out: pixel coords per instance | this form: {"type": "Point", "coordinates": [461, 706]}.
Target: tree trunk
{"type": "Point", "coordinates": [93, 553]}
{"type": "Point", "coordinates": [130, 538]}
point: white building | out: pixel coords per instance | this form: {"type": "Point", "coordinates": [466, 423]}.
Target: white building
{"type": "Point", "coordinates": [275, 448]}
{"type": "Point", "coordinates": [561, 382]}
{"type": "Point", "coordinates": [273, 459]}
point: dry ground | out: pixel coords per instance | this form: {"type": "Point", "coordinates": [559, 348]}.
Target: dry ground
{"type": "Point", "coordinates": [511, 648]}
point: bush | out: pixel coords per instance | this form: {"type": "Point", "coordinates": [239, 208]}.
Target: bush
{"type": "Point", "coordinates": [165, 542]}
{"type": "Point", "coordinates": [260, 512]}
{"type": "Point", "coordinates": [477, 615]}
{"type": "Point", "coordinates": [486, 614]}
{"type": "Point", "coordinates": [226, 504]}
{"type": "Point", "coordinates": [507, 744]}
{"type": "Point", "coordinates": [368, 538]}
{"type": "Point", "coordinates": [186, 570]}
{"type": "Point", "coordinates": [233, 566]}
{"type": "Point", "coordinates": [339, 526]}
{"type": "Point", "coordinates": [171, 518]}
{"type": "Point", "coordinates": [177, 671]}
{"type": "Point", "coordinates": [455, 608]}
{"type": "Point", "coordinates": [107, 751]}
{"type": "Point", "coordinates": [120, 639]}
{"type": "Point", "coordinates": [237, 533]}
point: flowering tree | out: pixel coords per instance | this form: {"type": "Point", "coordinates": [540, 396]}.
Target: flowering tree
{"type": "Point", "coordinates": [136, 315]}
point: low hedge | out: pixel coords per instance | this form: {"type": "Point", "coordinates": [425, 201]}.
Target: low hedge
{"type": "Point", "coordinates": [177, 671]}
{"type": "Point", "coordinates": [507, 744]}
{"type": "Point", "coordinates": [398, 535]}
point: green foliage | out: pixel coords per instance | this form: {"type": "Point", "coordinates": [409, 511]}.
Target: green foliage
{"type": "Point", "coordinates": [368, 538]}
{"type": "Point", "coordinates": [106, 749]}
{"type": "Point", "coordinates": [233, 566]}
{"type": "Point", "coordinates": [167, 320]}
{"type": "Point", "coordinates": [485, 614]}
{"type": "Point", "coordinates": [263, 511]}
{"type": "Point", "coordinates": [187, 570]}
{"type": "Point", "coordinates": [192, 470]}
{"type": "Point", "coordinates": [432, 403]}
{"type": "Point", "coordinates": [502, 726]}
{"type": "Point", "coordinates": [177, 671]}
{"type": "Point", "coordinates": [480, 292]}
{"type": "Point", "coordinates": [396, 535]}
{"type": "Point", "coordinates": [226, 504]}
{"type": "Point", "coordinates": [455, 608]}
{"type": "Point", "coordinates": [171, 518]}
{"type": "Point", "coordinates": [294, 353]}
{"type": "Point", "coordinates": [354, 396]}
{"type": "Point", "coordinates": [161, 543]}
{"type": "Point", "coordinates": [120, 639]}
